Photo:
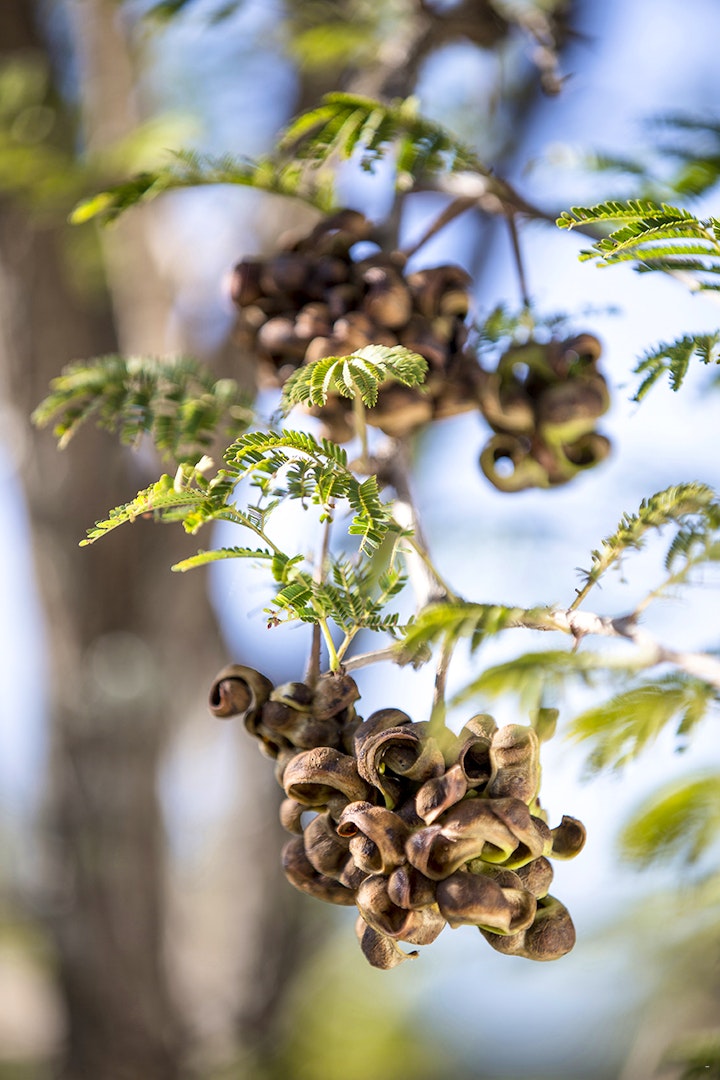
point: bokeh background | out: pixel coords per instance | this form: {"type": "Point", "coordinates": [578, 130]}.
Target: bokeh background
{"type": "Point", "coordinates": [146, 930]}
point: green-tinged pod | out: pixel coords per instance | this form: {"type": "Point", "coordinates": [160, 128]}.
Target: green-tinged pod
{"type": "Point", "coordinates": [408, 888]}
{"type": "Point", "coordinates": [580, 353]}
{"type": "Point", "coordinates": [296, 695]}
{"type": "Point", "coordinates": [302, 874]}
{"type": "Point", "coordinates": [380, 951]}
{"type": "Point", "coordinates": [499, 905]}
{"type": "Point", "coordinates": [568, 838]}
{"type": "Point", "coordinates": [440, 793]}
{"type": "Point", "coordinates": [508, 464]}
{"type": "Point", "coordinates": [312, 777]}
{"type": "Point", "coordinates": [469, 830]}
{"type": "Point", "coordinates": [471, 750]}
{"type": "Point", "coordinates": [588, 451]}
{"type": "Point", "coordinates": [418, 927]}
{"type": "Point", "coordinates": [550, 936]}
{"type": "Point", "coordinates": [388, 756]}
{"type": "Point", "coordinates": [515, 757]}
{"type": "Point", "coordinates": [239, 691]}
{"type": "Point", "coordinates": [532, 834]}
{"type": "Point", "coordinates": [506, 405]}
{"type": "Point", "coordinates": [376, 836]}
{"type": "Point", "coordinates": [325, 849]}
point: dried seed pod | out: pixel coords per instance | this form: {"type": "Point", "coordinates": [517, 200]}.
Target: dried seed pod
{"type": "Point", "coordinates": [506, 405]}
{"type": "Point", "coordinates": [430, 285]}
{"type": "Point", "coordinates": [471, 750]}
{"type": "Point", "coordinates": [441, 792]}
{"type": "Point", "coordinates": [313, 320]}
{"type": "Point", "coordinates": [285, 273]}
{"type": "Point", "coordinates": [532, 834]}
{"type": "Point", "coordinates": [550, 936]}
{"type": "Point", "coordinates": [302, 874]}
{"type": "Point", "coordinates": [327, 272]}
{"type": "Point", "coordinates": [239, 691]}
{"type": "Point", "coordinates": [408, 888]}
{"type": "Point", "coordinates": [336, 234]}
{"type": "Point", "coordinates": [392, 754]}
{"type": "Point", "coordinates": [419, 926]}
{"type": "Point", "coordinates": [313, 776]}
{"type": "Point", "coordinates": [351, 876]}
{"type": "Point", "coordinates": [515, 757]}
{"type": "Point", "coordinates": [333, 693]}
{"type": "Point", "coordinates": [508, 464]}
{"type": "Point", "coordinates": [581, 351]}
{"type": "Point", "coordinates": [536, 876]}
{"type": "Point", "coordinates": [326, 850]}
{"type": "Point", "coordinates": [388, 301]}
{"type": "Point", "coordinates": [386, 832]}
{"type": "Point", "coordinates": [296, 695]}
{"type": "Point", "coordinates": [568, 838]}
{"type": "Point", "coordinates": [321, 347]}
{"type": "Point", "coordinates": [291, 816]}
{"type": "Point", "coordinates": [342, 298]}
{"type": "Point", "coordinates": [466, 898]}
{"type": "Point", "coordinates": [380, 951]}
{"type": "Point", "coordinates": [418, 336]}
{"type": "Point", "coordinates": [587, 451]}
{"type": "Point", "coordinates": [278, 339]}
{"type": "Point", "coordinates": [400, 410]}
{"type": "Point", "coordinates": [569, 409]}
{"type": "Point", "coordinates": [299, 726]}
{"type": "Point", "coordinates": [245, 286]}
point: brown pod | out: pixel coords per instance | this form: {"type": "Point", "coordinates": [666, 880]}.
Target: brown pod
{"type": "Point", "coordinates": [430, 285]}
{"type": "Point", "coordinates": [400, 410]}
{"type": "Point", "coordinates": [379, 950]}
{"type": "Point", "coordinates": [245, 283]}
{"type": "Point", "coordinates": [336, 234]}
{"type": "Point", "coordinates": [477, 900]}
{"type": "Point", "coordinates": [386, 832]}
{"type": "Point", "coordinates": [342, 298]}
{"type": "Point", "coordinates": [313, 776]}
{"type": "Point", "coordinates": [333, 693]}
{"type": "Point", "coordinates": [568, 839]}
{"type": "Point", "coordinates": [284, 274]}
{"type": "Point", "coordinates": [536, 876]}
{"type": "Point", "coordinates": [419, 926]}
{"type": "Point", "coordinates": [299, 726]}
{"type": "Point", "coordinates": [327, 272]}
{"type": "Point", "coordinates": [313, 320]}
{"type": "Point", "coordinates": [587, 451]}
{"type": "Point", "coordinates": [388, 301]}
{"type": "Point", "coordinates": [550, 935]}
{"type": "Point", "coordinates": [239, 691]}
{"type": "Point", "coordinates": [418, 336]}
{"type": "Point", "coordinates": [515, 757]}
{"type": "Point", "coordinates": [471, 750]}
{"type": "Point", "coordinates": [302, 874]}
{"type": "Point", "coordinates": [291, 816]}
{"type": "Point", "coordinates": [583, 350]}
{"type": "Point", "coordinates": [440, 793]}
{"type": "Point", "coordinates": [324, 847]}
{"type": "Point", "coordinates": [408, 888]}
{"type": "Point", "coordinates": [277, 338]}
{"type": "Point", "coordinates": [320, 347]}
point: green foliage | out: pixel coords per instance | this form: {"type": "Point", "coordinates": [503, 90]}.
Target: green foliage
{"type": "Point", "coordinates": [316, 141]}
{"type": "Point", "coordinates": [679, 822]}
{"type": "Point", "coordinates": [178, 403]}
{"type": "Point", "coordinates": [449, 621]}
{"type": "Point", "coordinates": [623, 727]}
{"type": "Point", "coordinates": [167, 499]}
{"type": "Point", "coordinates": [673, 359]}
{"type": "Point", "coordinates": [698, 1056]}
{"type": "Point", "coordinates": [656, 236]}
{"type": "Point", "coordinates": [679, 503]}
{"type": "Point", "coordinates": [361, 373]}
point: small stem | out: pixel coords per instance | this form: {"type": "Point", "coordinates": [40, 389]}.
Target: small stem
{"type": "Point", "coordinates": [424, 554]}
{"type": "Point", "coordinates": [454, 209]}
{"type": "Point", "coordinates": [312, 672]}
{"type": "Point", "coordinates": [313, 667]}
{"type": "Point", "coordinates": [330, 644]}
{"type": "Point", "coordinates": [390, 652]}
{"type": "Point", "coordinates": [517, 252]}
{"type": "Point", "coordinates": [345, 644]}
{"type": "Point", "coordinates": [361, 428]}
{"type": "Point", "coordinates": [439, 710]}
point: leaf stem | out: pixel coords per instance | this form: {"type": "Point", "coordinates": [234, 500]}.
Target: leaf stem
{"type": "Point", "coordinates": [439, 710]}
{"type": "Point", "coordinates": [361, 427]}
{"type": "Point", "coordinates": [333, 657]}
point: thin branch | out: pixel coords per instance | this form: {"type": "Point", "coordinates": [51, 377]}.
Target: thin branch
{"type": "Point", "coordinates": [453, 210]}
{"type": "Point", "coordinates": [519, 265]}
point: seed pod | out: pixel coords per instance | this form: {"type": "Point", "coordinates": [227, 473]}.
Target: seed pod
{"type": "Point", "coordinates": [299, 726]}
{"type": "Point", "coordinates": [515, 757]}
{"type": "Point", "coordinates": [536, 876]}
{"type": "Point", "coordinates": [380, 951]}
{"type": "Point", "coordinates": [508, 464]}
{"type": "Point", "coordinates": [278, 339]}
{"type": "Point", "coordinates": [550, 936]}
{"type": "Point", "coordinates": [582, 351]}
{"type": "Point", "coordinates": [327, 272]}
{"type": "Point", "coordinates": [313, 320]}
{"type": "Point", "coordinates": [313, 776]}
{"type": "Point", "coordinates": [326, 850]}
{"type": "Point", "coordinates": [387, 302]}
{"type": "Point", "coordinates": [568, 839]}
{"type": "Point", "coordinates": [589, 450]}
{"type": "Point", "coordinates": [441, 792]}
{"type": "Point", "coordinates": [245, 283]}
{"type": "Point", "coordinates": [239, 691]}
{"type": "Point", "coordinates": [302, 874]}
{"type": "Point", "coordinates": [290, 816]}
{"type": "Point", "coordinates": [506, 405]}
{"type": "Point", "coordinates": [476, 899]}
{"type": "Point", "coordinates": [386, 832]}
{"type": "Point", "coordinates": [418, 336]}
{"type": "Point", "coordinates": [335, 235]}
{"type": "Point", "coordinates": [342, 298]}
{"type": "Point", "coordinates": [400, 410]}
{"type": "Point", "coordinates": [408, 888]}
{"type": "Point", "coordinates": [569, 409]}
{"type": "Point", "coordinates": [472, 750]}
{"type": "Point", "coordinates": [397, 753]}
{"type": "Point", "coordinates": [419, 927]}
{"type": "Point", "coordinates": [430, 285]}
{"type": "Point", "coordinates": [333, 693]}
{"type": "Point", "coordinates": [531, 833]}
{"type": "Point", "coordinates": [284, 274]}
{"type": "Point", "coordinates": [321, 347]}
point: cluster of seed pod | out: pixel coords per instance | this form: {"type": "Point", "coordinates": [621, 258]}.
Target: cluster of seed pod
{"type": "Point", "coordinates": [417, 828]}
{"type": "Point", "coordinates": [543, 402]}
{"type": "Point", "coordinates": [312, 299]}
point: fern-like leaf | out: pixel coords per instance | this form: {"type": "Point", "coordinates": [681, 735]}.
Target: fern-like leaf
{"type": "Point", "coordinates": [679, 822]}
{"type": "Point", "coordinates": [621, 728]}
{"type": "Point", "coordinates": [163, 501]}
{"type": "Point", "coordinates": [673, 359]}
{"type": "Point", "coordinates": [218, 554]}
{"type": "Point", "coordinates": [363, 372]}
{"type": "Point", "coordinates": [451, 620]}
{"type": "Point", "coordinates": [178, 403]}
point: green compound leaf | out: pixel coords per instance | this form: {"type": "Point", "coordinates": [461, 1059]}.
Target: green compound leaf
{"type": "Point", "coordinates": [673, 359]}
{"type": "Point", "coordinates": [163, 501]}
{"type": "Point", "coordinates": [621, 728]}
{"type": "Point", "coordinates": [218, 554]}
{"type": "Point", "coordinates": [451, 620]}
{"type": "Point", "coordinates": [680, 822]}
{"type": "Point", "coordinates": [178, 403]}
{"type": "Point", "coordinates": [363, 372]}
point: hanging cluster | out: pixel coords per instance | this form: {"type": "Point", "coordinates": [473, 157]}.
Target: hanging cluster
{"type": "Point", "coordinates": [312, 300]}
{"type": "Point", "coordinates": [543, 402]}
{"type": "Point", "coordinates": [418, 828]}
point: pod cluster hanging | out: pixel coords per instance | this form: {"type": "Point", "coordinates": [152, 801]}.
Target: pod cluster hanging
{"type": "Point", "coordinates": [417, 828]}
{"type": "Point", "coordinates": [543, 402]}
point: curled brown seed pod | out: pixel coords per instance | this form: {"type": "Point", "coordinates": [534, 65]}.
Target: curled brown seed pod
{"type": "Point", "coordinates": [239, 691]}
{"type": "Point", "coordinates": [408, 888]}
{"type": "Point", "coordinates": [326, 850]}
{"type": "Point", "coordinates": [419, 926]}
{"type": "Point", "coordinates": [471, 750]}
{"type": "Point", "coordinates": [550, 936]}
{"type": "Point", "coordinates": [439, 793]}
{"type": "Point", "coordinates": [333, 693]}
{"type": "Point", "coordinates": [480, 900]}
{"type": "Point", "coordinates": [536, 876]}
{"type": "Point", "coordinates": [291, 816]}
{"type": "Point", "coordinates": [568, 838]}
{"type": "Point", "coordinates": [386, 832]}
{"type": "Point", "coordinates": [302, 874]}
{"type": "Point", "coordinates": [379, 950]}
{"type": "Point", "coordinates": [509, 465]}
{"type": "Point", "coordinates": [515, 757]}
{"type": "Point", "coordinates": [314, 776]}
